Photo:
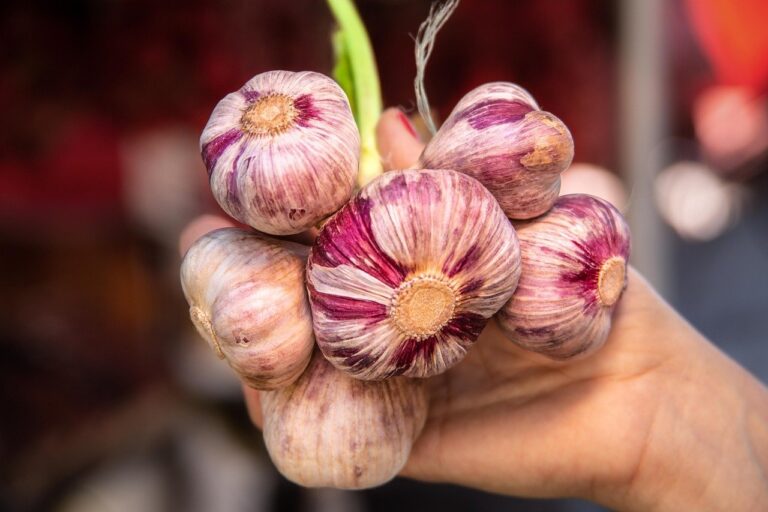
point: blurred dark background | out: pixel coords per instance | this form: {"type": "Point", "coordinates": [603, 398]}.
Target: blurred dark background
{"type": "Point", "coordinates": [109, 399]}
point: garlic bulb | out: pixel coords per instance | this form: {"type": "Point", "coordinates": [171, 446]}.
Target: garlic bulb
{"type": "Point", "coordinates": [282, 152]}
{"type": "Point", "coordinates": [574, 262]}
{"type": "Point", "coordinates": [403, 278]}
{"type": "Point", "coordinates": [498, 135]}
{"type": "Point", "coordinates": [331, 430]}
{"type": "Point", "coordinates": [246, 297]}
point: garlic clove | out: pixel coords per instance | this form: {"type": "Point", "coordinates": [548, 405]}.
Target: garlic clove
{"type": "Point", "coordinates": [282, 152]}
{"type": "Point", "coordinates": [247, 299]}
{"type": "Point", "coordinates": [574, 265]}
{"type": "Point", "coordinates": [498, 135]}
{"type": "Point", "coordinates": [331, 430]}
{"type": "Point", "coordinates": [403, 279]}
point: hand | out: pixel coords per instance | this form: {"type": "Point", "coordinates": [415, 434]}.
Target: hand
{"type": "Point", "coordinates": [658, 419]}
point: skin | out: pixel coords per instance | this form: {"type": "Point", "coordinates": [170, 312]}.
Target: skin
{"type": "Point", "coordinates": [657, 420]}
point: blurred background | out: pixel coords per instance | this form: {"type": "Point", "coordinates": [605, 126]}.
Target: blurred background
{"type": "Point", "coordinates": [110, 400]}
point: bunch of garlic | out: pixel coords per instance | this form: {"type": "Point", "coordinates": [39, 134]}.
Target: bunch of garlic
{"type": "Point", "coordinates": [404, 274]}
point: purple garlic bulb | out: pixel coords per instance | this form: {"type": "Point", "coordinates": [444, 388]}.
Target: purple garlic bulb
{"type": "Point", "coordinates": [246, 298]}
{"type": "Point", "coordinates": [574, 262]}
{"type": "Point", "coordinates": [282, 152]}
{"type": "Point", "coordinates": [403, 279]}
{"type": "Point", "coordinates": [331, 430]}
{"type": "Point", "coordinates": [498, 135]}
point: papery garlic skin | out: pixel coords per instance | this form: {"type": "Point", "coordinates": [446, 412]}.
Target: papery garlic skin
{"type": "Point", "coordinates": [282, 152]}
{"type": "Point", "coordinates": [247, 299]}
{"type": "Point", "coordinates": [498, 135]}
{"type": "Point", "coordinates": [403, 279]}
{"type": "Point", "coordinates": [574, 262]}
{"type": "Point", "coordinates": [331, 430]}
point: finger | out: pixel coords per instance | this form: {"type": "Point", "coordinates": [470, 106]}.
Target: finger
{"type": "Point", "coordinates": [199, 227]}
{"type": "Point", "coordinates": [593, 180]}
{"type": "Point", "coordinates": [253, 404]}
{"type": "Point", "coordinates": [397, 140]}
{"type": "Point", "coordinates": [304, 238]}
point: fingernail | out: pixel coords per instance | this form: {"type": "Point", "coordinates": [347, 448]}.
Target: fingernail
{"type": "Point", "coordinates": [407, 124]}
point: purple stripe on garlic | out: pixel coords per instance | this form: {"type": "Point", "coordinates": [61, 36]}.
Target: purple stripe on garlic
{"type": "Point", "coordinates": [331, 430]}
{"type": "Point", "coordinates": [490, 112]}
{"type": "Point", "coordinates": [213, 149]}
{"type": "Point", "coordinates": [247, 299]}
{"type": "Point", "coordinates": [282, 152]}
{"type": "Point", "coordinates": [574, 262]}
{"type": "Point", "coordinates": [403, 279]}
{"type": "Point", "coordinates": [498, 135]}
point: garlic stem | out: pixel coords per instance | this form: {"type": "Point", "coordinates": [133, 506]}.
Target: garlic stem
{"type": "Point", "coordinates": [366, 95]}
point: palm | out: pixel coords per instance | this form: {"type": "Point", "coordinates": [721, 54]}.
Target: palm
{"type": "Point", "coordinates": [552, 428]}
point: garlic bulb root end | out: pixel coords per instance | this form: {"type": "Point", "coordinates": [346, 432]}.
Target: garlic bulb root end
{"type": "Point", "coordinates": [271, 114]}
{"type": "Point", "coordinates": [422, 306]}
{"type": "Point", "coordinates": [205, 328]}
{"type": "Point", "coordinates": [611, 280]}
{"type": "Point", "coordinates": [552, 150]}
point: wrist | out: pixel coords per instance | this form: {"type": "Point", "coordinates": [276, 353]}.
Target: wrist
{"type": "Point", "coordinates": [707, 448]}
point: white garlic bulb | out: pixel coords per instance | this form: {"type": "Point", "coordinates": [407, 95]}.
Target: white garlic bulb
{"type": "Point", "coordinates": [498, 135]}
{"type": "Point", "coordinates": [331, 430]}
{"type": "Point", "coordinates": [574, 262]}
{"type": "Point", "coordinates": [247, 299]}
{"type": "Point", "coordinates": [403, 279]}
{"type": "Point", "coordinates": [282, 152]}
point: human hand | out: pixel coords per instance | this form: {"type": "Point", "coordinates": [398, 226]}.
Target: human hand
{"type": "Point", "coordinates": [656, 420]}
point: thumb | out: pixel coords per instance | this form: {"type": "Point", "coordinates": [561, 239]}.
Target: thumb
{"type": "Point", "coordinates": [199, 227]}
{"type": "Point", "coordinates": [397, 140]}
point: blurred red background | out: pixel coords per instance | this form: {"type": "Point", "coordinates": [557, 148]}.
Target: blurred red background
{"type": "Point", "coordinates": [102, 105]}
